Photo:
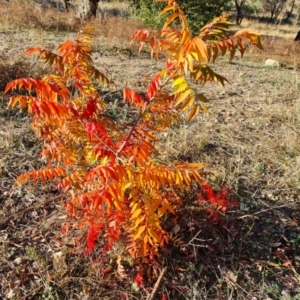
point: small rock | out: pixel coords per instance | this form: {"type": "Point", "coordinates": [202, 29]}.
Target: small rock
{"type": "Point", "coordinates": [176, 229]}
{"type": "Point", "coordinates": [272, 63]}
{"type": "Point", "coordinates": [18, 260]}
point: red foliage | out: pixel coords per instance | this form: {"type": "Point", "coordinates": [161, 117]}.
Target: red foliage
{"type": "Point", "coordinates": [139, 278]}
{"type": "Point", "coordinates": [218, 201]}
{"type": "Point", "coordinates": [92, 236]}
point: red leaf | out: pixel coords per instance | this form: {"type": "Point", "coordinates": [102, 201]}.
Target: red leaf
{"type": "Point", "coordinates": [92, 236]}
{"type": "Point", "coordinates": [90, 110]}
{"type": "Point", "coordinates": [153, 87]}
{"type": "Point", "coordinates": [139, 278]}
{"type": "Point", "coordinates": [278, 254]}
{"type": "Point", "coordinates": [132, 96]}
{"type": "Point", "coordinates": [164, 297]}
{"type": "Point", "coordinates": [65, 228]}
{"type": "Point", "coordinates": [90, 128]}
{"type": "Point", "coordinates": [287, 263]}
{"type": "Point", "coordinates": [245, 261]}
{"type": "Point", "coordinates": [93, 127]}
{"type": "Point", "coordinates": [86, 252]}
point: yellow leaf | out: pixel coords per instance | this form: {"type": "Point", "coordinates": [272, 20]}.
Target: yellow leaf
{"type": "Point", "coordinates": [195, 165]}
{"type": "Point", "coordinates": [139, 232]}
{"type": "Point", "coordinates": [171, 178]}
{"type": "Point", "coordinates": [138, 221]}
{"type": "Point", "coordinates": [202, 98]}
{"type": "Point", "coordinates": [185, 37]}
{"type": "Point", "coordinates": [204, 108]}
{"type": "Point", "coordinates": [194, 111]}
{"type": "Point", "coordinates": [178, 81]}
{"type": "Point", "coordinates": [161, 211]}
{"type": "Point", "coordinates": [183, 96]}
{"type": "Point", "coordinates": [180, 58]}
{"type": "Point", "coordinates": [168, 207]}
{"type": "Point", "coordinates": [190, 60]}
{"type": "Point", "coordinates": [197, 177]}
{"type": "Point", "coordinates": [170, 19]}
{"type": "Point", "coordinates": [186, 66]}
{"type": "Point", "coordinates": [153, 235]}
{"type": "Point", "coordinates": [166, 9]}
{"type": "Point", "coordinates": [202, 48]}
{"type": "Point", "coordinates": [146, 240]}
{"type": "Point", "coordinates": [112, 192]}
{"type": "Point", "coordinates": [187, 103]}
{"type": "Point", "coordinates": [13, 101]}
{"type": "Point", "coordinates": [180, 87]}
{"type": "Point", "coordinates": [134, 207]}
{"type": "Point", "coordinates": [136, 213]}
{"type": "Point", "coordinates": [117, 205]}
{"type": "Point", "coordinates": [104, 160]}
{"type": "Point", "coordinates": [187, 177]}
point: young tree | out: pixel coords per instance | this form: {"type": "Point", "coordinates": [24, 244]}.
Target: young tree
{"type": "Point", "coordinates": [118, 190]}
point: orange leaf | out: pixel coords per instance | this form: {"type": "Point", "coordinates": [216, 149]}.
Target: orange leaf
{"type": "Point", "coordinates": [193, 113]}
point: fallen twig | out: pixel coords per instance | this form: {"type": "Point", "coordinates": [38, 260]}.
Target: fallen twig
{"type": "Point", "coordinates": [25, 210]}
{"type": "Point", "coordinates": [157, 284]}
{"type": "Point", "coordinates": [263, 211]}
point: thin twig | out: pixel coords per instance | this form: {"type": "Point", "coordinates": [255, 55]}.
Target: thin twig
{"type": "Point", "coordinates": [133, 128]}
{"type": "Point", "coordinates": [262, 211]}
{"type": "Point", "coordinates": [156, 286]}
{"type": "Point", "coordinates": [23, 211]}
{"type": "Point", "coordinates": [142, 113]}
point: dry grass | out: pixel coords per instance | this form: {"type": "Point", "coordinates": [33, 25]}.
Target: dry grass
{"type": "Point", "coordinates": [278, 42]}
{"type": "Point", "coordinates": [274, 30]}
{"type": "Point", "coordinates": [249, 142]}
{"type": "Point", "coordinates": [26, 14]}
{"type": "Point", "coordinates": [116, 31]}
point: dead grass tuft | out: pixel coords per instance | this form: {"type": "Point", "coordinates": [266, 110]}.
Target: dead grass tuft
{"type": "Point", "coordinates": [278, 43]}
{"type": "Point", "coordinates": [18, 69]}
{"type": "Point", "coordinates": [275, 30]}
{"type": "Point", "coordinates": [115, 29]}
{"type": "Point", "coordinates": [25, 14]}
{"type": "Point", "coordinates": [283, 50]}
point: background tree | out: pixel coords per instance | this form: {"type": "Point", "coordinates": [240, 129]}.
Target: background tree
{"type": "Point", "coordinates": [289, 11]}
{"type": "Point", "coordinates": [198, 12]}
{"type": "Point", "coordinates": [239, 5]}
{"type": "Point", "coordinates": [85, 9]}
{"type": "Point", "coordinates": [274, 8]}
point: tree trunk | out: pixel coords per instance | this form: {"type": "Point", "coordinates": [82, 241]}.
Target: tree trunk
{"type": "Point", "coordinates": [239, 11]}
{"type": "Point", "coordinates": [297, 38]}
{"type": "Point", "coordinates": [239, 15]}
{"type": "Point", "coordinates": [87, 9]}
{"type": "Point", "coordinates": [290, 12]}
{"type": "Point", "coordinates": [67, 4]}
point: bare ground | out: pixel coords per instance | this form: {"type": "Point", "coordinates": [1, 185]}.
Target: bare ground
{"type": "Point", "coordinates": [248, 142]}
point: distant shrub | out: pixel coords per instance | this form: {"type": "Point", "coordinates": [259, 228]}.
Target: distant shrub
{"type": "Point", "coordinates": [198, 12]}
